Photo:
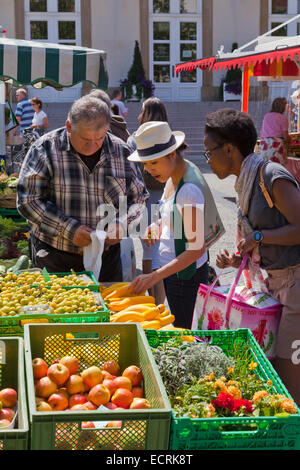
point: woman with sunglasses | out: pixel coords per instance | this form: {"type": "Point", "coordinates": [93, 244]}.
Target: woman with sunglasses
{"type": "Point", "coordinates": [268, 225]}
{"type": "Point", "coordinates": [189, 222]}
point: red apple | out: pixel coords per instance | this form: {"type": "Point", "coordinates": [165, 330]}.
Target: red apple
{"type": "Point", "coordinates": [77, 399]}
{"type": "Point", "coordinates": [107, 375]}
{"type": "Point", "coordinates": [90, 405]}
{"type": "Point", "coordinates": [111, 385]}
{"type": "Point", "coordinates": [122, 397]}
{"type": "Point", "coordinates": [39, 367]}
{"type": "Point", "coordinates": [8, 397]}
{"type": "Point", "coordinates": [79, 408]}
{"type": "Point", "coordinates": [7, 413]}
{"type": "Point", "coordinates": [71, 363]}
{"type": "Point", "coordinates": [122, 382]}
{"type": "Point", "coordinates": [75, 385]}
{"type": "Point", "coordinates": [58, 401]}
{"type": "Point", "coordinates": [45, 387]}
{"type": "Point", "coordinates": [99, 395]}
{"type": "Point", "coordinates": [134, 374]}
{"type": "Point", "coordinates": [111, 406]}
{"type": "Point", "coordinates": [58, 373]}
{"type": "Point", "coordinates": [92, 376]}
{"type": "Point", "coordinates": [43, 406]}
{"type": "Point", "coordinates": [114, 424]}
{"type": "Point", "coordinates": [137, 392]}
{"type": "Point", "coordinates": [112, 367]}
{"type": "Point", "coordinates": [139, 403]}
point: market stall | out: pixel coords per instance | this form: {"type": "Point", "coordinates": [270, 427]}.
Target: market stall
{"type": "Point", "coordinates": [271, 60]}
{"type": "Point", "coordinates": [41, 63]}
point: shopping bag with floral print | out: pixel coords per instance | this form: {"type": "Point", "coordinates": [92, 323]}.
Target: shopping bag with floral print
{"type": "Point", "coordinates": [238, 306]}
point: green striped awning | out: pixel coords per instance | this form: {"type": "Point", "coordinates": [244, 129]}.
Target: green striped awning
{"type": "Point", "coordinates": [33, 62]}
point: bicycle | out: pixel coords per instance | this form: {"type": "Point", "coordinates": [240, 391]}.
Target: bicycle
{"type": "Point", "coordinates": [18, 152]}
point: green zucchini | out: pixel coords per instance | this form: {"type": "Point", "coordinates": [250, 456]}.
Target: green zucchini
{"type": "Point", "coordinates": [22, 263]}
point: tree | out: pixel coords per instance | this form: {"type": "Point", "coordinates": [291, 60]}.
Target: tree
{"type": "Point", "coordinates": [136, 72]}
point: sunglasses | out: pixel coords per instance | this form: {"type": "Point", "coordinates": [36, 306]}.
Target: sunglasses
{"type": "Point", "coordinates": [207, 153]}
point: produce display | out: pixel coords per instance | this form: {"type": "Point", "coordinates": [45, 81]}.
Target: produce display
{"type": "Point", "coordinates": [61, 387]}
{"type": "Point", "coordinates": [37, 278]}
{"type": "Point", "coordinates": [15, 299]}
{"type": "Point", "coordinates": [202, 382]}
{"type": "Point", "coordinates": [128, 307]}
{"type": "Point", "coordinates": [8, 402]}
{"type": "Point", "coordinates": [13, 241]}
{"type": "Point", "coordinates": [8, 184]}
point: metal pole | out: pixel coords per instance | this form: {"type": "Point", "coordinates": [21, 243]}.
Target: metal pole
{"type": "Point", "coordinates": [2, 126]}
{"type": "Point", "coordinates": [268, 32]}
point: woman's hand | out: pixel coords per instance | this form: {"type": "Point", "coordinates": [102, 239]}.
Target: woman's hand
{"type": "Point", "coordinates": [152, 234]}
{"type": "Point", "coordinates": [143, 282]}
{"type": "Point", "coordinates": [225, 260]}
{"type": "Point", "coordinates": [246, 244]}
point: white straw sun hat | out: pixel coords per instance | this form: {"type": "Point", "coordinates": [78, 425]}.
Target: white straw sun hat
{"type": "Point", "coordinates": [155, 139]}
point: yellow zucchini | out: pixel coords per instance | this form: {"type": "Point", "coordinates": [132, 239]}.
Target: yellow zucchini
{"type": "Point", "coordinates": [153, 325]}
{"type": "Point", "coordinates": [166, 320]}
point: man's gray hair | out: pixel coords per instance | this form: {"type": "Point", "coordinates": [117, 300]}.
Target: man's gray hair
{"type": "Point", "coordinates": [101, 95]}
{"type": "Point", "coordinates": [93, 112]}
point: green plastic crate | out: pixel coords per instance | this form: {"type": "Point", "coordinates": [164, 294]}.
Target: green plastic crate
{"type": "Point", "coordinates": [12, 375]}
{"type": "Point", "coordinates": [14, 325]}
{"type": "Point", "coordinates": [12, 213]}
{"type": "Point", "coordinates": [268, 432]}
{"type": "Point", "coordinates": [93, 287]}
{"type": "Point", "coordinates": [93, 345]}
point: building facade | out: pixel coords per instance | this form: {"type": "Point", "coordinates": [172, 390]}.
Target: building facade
{"type": "Point", "coordinates": [168, 31]}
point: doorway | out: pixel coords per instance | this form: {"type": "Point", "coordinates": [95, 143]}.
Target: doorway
{"type": "Point", "coordinates": [175, 36]}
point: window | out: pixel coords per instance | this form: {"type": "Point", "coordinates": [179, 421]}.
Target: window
{"type": "Point", "coordinates": [38, 5]}
{"type": "Point", "coordinates": [161, 30]}
{"type": "Point", "coordinates": [161, 6]}
{"type": "Point", "coordinates": [188, 31]}
{"type": "Point", "coordinates": [279, 32]}
{"type": "Point", "coordinates": [279, 7]}
{"type": "Point", "coordinates": [188, 6]}
{"type": "Point", "coordinates": [39, 30]}
{"type": "Point", "coordinates": [66, 5]}
{"type": "Point", "coordinates": [55, 21]}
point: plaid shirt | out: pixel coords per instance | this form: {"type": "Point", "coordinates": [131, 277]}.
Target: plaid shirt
{"type": "Point", "coordinates": [57, 193]}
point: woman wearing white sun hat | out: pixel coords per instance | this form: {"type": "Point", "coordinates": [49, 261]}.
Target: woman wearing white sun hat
{"type": "Point", "coordinates": [189, 222]}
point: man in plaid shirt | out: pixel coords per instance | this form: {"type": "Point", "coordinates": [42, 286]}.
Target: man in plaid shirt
{"type": "Point", "coordinates": [66, 176]}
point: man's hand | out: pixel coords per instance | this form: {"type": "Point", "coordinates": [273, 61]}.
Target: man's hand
{"type": "Point", "coordinates": [82, 236]}
{"type": "Point", "coordinates": [115, 234]}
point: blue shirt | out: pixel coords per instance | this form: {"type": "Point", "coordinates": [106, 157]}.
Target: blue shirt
{"type": "Point", "coordinates": [25, 111]}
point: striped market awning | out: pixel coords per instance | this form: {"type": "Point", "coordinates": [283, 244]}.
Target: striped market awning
{"type": "Point", "coordinates": [57, 65]}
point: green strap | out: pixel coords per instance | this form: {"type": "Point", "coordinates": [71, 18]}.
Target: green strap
{"type": "Point", "coordinates": [180, 240]}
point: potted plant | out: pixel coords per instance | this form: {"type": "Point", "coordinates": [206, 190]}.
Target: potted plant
{"type": "Point", "coordinates": [232, 83]}
{"type": "Point", "coordinates": [136, 86]}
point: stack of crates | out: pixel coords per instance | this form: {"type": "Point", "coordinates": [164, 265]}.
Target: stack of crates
{"type": "Point", "coordinates": [94, 344]}
{"type": "Point", "coordinates": [12, 375]}
{"type": "Point", "coordinates": [233, 433]}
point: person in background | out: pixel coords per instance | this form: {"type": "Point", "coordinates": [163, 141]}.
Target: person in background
{"type": "Point", "coordinates": [274, 133]}
{"type": "Point", "coordinates": [268, 225]}
{"type": "Point", "coordinates": [153, 109]}
{"type": "Point", "coordinates": [67, 175]}
{"type": "Point", "coordinates": [117, 124]}
{"type": "Point", "coordinates": [24, 111]}
{"type": "Point", "coordinates": [189, 223]}
{"type": "Point", "coordinates": [117, 99]}
{"type": "Point", "coordinates": [40, 119]}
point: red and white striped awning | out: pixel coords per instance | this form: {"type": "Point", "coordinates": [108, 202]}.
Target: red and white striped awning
{"type": "Point", "coordinates": [214, 63]}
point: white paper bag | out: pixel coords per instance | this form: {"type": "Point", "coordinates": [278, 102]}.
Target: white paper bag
{"type": "Point", "coordinates": [92, 254]}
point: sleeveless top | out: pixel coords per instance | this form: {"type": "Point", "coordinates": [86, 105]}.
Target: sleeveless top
{"type": "Point", "coordinates": [261, 217]}
{"type": "Point", "coordinates": [213, 226]}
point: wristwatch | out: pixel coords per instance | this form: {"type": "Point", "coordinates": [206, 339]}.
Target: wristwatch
{"type": "Point", "coordinates": [257, 237]}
